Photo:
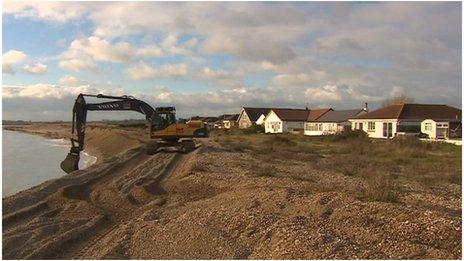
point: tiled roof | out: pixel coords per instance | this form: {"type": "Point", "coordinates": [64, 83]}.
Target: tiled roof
{"type": "Point", "coordinates": [338, 116]}
{"type": "Point", "coordinates": [413, 112]}
{"type": "Point", "coordinates": [292, 114]}
{"type": "Point", "coordinates": [255, 113]}
{"type": "Point", "coordinates": [316, 113]}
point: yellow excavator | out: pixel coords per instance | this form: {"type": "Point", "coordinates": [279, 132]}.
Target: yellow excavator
{"type": "Point", "coordinates": [164, 130]}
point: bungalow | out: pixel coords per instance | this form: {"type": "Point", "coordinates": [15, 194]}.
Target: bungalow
{"type": "Point", "coordinates": [331, 122]}
{"type": "Point", "coordinates": [226, 121]}
{"type": "Point", "coordinates": [289, 120]}
{"type": "Point", "coordinates": [401, 119]}
{"type": "Point", "coordinates": [230, 121]}
{"type": "Point", "coordinates": [250, 116]}
{"type": "Point", "coordinates": [442, 128]}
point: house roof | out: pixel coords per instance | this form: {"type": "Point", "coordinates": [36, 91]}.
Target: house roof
{"type": "Point", "coordinates": [338, 116]}
{"type": "Point", "coordinates": [317, 113]}
{"type": "Point", "coordinates": [233, 117]}
{"type": "Point", "coordinates": [410, 111]}
{"type": "Point", "coordinates": [292, 114]}
{"type": "Point", "coordinates": [255, 113]}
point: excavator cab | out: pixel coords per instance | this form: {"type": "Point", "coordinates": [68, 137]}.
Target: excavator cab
{"type": "Point", "coordinates": [163, 117]}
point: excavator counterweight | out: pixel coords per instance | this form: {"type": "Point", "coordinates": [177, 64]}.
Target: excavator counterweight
{"type": "Point", "coordinates": [163, 128]}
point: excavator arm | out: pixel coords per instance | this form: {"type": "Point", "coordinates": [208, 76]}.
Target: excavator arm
{"type": "Point", "coordinates": [80, 108]}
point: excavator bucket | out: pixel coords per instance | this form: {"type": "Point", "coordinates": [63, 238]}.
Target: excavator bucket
{"type": "Point", "coordinates": [70, 163]}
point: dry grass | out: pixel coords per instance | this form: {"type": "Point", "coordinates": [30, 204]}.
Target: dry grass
{"type": "Point", "coordinates": [264, 170]}
{"type": "Point", "coordinates": [381, 163]}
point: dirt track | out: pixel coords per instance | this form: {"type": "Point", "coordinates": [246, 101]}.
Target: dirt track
{"type": "Point", "coordinates": [208, 204]}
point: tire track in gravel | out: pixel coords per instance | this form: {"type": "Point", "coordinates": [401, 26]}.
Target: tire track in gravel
{"type": "Point", "coordinates": [152, 187]}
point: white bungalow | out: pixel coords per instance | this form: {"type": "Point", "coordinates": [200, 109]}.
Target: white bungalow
{"type": "Point", "coordinates": [331, 122]}
{"type": "Point", "coordinates": [401, 119]}
{"type": "Point", "coordinates": [285, 120]}
{"type": "Point", "coordinates": [441, 129]}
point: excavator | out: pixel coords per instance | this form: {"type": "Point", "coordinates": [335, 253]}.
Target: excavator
{"type": "Point", "coordinates": [163, 128]}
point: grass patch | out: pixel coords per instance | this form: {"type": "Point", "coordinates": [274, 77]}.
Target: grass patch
{"type": "Point", "coordinates": [197, 167]}
{"type": "Point", "coordinates": [381, 188]}
{"type": "Point", "coordinates": [353, 154]}
{"type": "Point", "coordinates": [264, 170]}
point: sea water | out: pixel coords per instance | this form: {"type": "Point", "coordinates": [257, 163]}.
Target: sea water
{"type": "Point", "coordinates": [29, 160]}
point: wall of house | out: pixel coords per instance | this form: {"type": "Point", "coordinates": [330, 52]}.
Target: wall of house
{"type": "Point", "coordinates": [260, 120]}
{"type": "Point", "coordinates": [377, 132]}
{"type": "Point", "coordinates": [244, 121]}
{"type": "Point", "coordinates": [326, 128]}
{"type": "Point", "coordinates": [289, 126]}
{"type": "Point", "coordinates": [273, 124]}
{"type": "Point", "coordinates": [433, 128]}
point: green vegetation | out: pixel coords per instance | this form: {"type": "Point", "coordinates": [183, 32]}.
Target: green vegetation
{"type": "Point", "coordinates": [381, 164]}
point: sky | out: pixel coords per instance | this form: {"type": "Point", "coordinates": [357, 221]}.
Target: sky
{"type": "Point", "coordinates": [209, 58]}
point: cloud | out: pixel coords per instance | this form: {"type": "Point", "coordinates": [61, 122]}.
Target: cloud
{"type": "Point", "coordinates": [150, 51]}
{"type": "Point", "coordinates": [142, 71]}
{"type": "Point", "coordinates": [51, 11]}
{"type": "Point", "coordinates": [323, 94]}
{"type": "Point", "coordinates": [13, 56]}
{"type": "Point", "coordinates": [298, 51]}
{"type": "Point", "coordinates": [37, 68]}
{"type": "Point", "coordinates": [41, 90]}
{"type": "Point", "coordinates": [69, 80]}
{"type": "Point", "coordinates": [77, 63]}
{"type": "Point", "coordinates": [299, 79]}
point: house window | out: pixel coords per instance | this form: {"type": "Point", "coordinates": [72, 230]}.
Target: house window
{"type": "Point", "coordinates": [371, 126]}
{"type": "Point", "coordinates": [428, 126]}
{"type": "Point", "coordinates": [313, 126]}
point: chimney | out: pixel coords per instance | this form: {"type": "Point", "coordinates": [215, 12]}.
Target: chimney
{"type": "Point", "coordinates": [365, 107]}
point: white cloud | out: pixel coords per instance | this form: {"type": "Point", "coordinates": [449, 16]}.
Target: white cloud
{"type": "Point", "coordinates": [102, 50]}
{"type": "Point", "coordinates": [142, 70]}
{"type": "Point", "coordinates": [69, 80]}
{"type": "Point", "coordinates": [299, 79]}
{"type": "Point", "coordinates": [150, 51]}
{"type": "Point", "coordinates": [208, 73]}
{"type": "Point", "coordinates": [41, 90]}
{"type": "Point", "coordinates": [325, 93]}
{"type": "Point", "coordinates": [53, 11]}
{"type": "Point", "coordinates": [77, 63]}
{"type": "Point", "coordinates": [37, 68]}
{"type": "Point", "coordinates": [13, 56]}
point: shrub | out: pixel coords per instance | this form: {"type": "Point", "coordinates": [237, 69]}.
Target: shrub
{"type": "Point", "coordinates": [253, 129]}
{"type": "Point", "coordinates": [381, 188]}
{"type": "Point", "coordinates": [347, 134]}
{"type": "Point", "coordinates": [265, 170]}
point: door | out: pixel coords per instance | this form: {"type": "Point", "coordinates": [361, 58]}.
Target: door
{"type": "Point", "coordinates": [387, 129]}
{"type": "Point", "coordinates": [360, 126]}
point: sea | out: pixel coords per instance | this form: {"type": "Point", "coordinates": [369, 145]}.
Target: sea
{"type": "Point", "coordinates": [28, 160]}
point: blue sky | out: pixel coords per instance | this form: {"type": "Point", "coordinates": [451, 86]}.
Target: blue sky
{"type": "Point", "coordinates": [212, 58]}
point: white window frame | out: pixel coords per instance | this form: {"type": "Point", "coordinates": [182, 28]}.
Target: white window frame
{"type": "Point", "coordinates": [428, 126]}
{"type": "Point", "coordinates": [371, 125]}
